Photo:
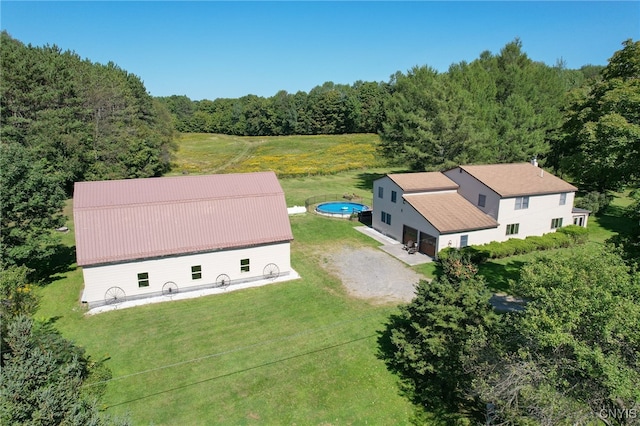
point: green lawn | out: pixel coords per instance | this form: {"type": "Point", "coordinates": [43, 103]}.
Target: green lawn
{"type": "Point", "coordinates": [300, 352]}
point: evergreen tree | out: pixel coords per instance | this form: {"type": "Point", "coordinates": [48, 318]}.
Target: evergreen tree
{"type": "Point", "coordinates": [433, 335]}
{"type": "Point", "coordinates": [31, 201]}
{"type": "Point", "coordinates": [496, 109]}
{"type": "Point", "coordinates": [42, 377]}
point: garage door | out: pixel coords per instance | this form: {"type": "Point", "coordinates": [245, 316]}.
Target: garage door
{"type": "Point", "coordinates": [409, 234]}
{"type": "Point", "coordinates": [427, 244]}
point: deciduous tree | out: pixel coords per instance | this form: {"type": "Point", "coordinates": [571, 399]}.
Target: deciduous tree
{"type": "Point", "coordinates": [601, 143]}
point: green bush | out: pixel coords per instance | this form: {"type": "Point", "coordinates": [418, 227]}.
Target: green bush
{"type": "Point", "coordinates": [564, 237]}
{"type": "Point", "coordinates": [594, 201]}
{"type": "Point", "coordinates": [578, 234]}
{"type": "Point", "coordinates": [559, 239]}
{"type": "Point", "coordinates": [536, 242]}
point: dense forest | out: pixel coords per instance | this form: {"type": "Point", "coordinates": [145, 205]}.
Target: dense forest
{"type": "Point", "coordinates": [65, 119]}
{"type": "Point", "coordinates": [87, 120]}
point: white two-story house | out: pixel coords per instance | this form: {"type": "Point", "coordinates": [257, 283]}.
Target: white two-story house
{"type": "Point", "coordinates": [473, 205]}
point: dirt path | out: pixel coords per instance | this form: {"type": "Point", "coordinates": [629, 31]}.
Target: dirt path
{"type": "Point", "coordinates": [370, 273]}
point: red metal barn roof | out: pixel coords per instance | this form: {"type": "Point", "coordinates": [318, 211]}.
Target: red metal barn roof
{"type": "Point", "coordinates": [132, 219]}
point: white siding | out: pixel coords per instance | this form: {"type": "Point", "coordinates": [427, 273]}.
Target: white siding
{"type": "Point", "coordinates": [385, 204]}
{"type": "Point", "coordinates": [98, 279]}
{"type": "Point", "coordinates": [536, 219]}
{"type": "Point", "coordinates": [481, 236]}
{"type": "Point", "coordinates": [470, 188]}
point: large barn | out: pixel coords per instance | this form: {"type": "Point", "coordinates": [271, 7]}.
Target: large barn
{"type": "Point", "coordinates": [139, 238]}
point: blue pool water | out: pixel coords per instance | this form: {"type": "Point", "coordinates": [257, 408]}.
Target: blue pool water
{"type": "Point", "coordinates": [341, 207]}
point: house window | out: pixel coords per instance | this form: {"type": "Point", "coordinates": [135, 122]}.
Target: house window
{"type": "Point", "coordinates": [196, 272]}
{"type": "Point", "coordinates": [563, 198]}
{"type": "Point", "coordinates": [482, 200]}
{"type": "Point", "coordinates": [464, 240]}
{"type": "Point", "coordinates": [394, 196]}
{"type": "Point", "coordinates": [143, 279]}
{"type": "Point", "coordinates": [380, 192]}
{"type": "Point", "coordinates": [385, 218]}
{"type": "Point", "coordinates": [244, 265]}
{"type": "Point", "coordinates": [556, 223]}
{"type": "Point", "coordinates": [513, 228]}
{"type": "Point", "coordinates": [522, 203]}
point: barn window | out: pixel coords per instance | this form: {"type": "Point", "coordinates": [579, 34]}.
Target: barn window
{"type": "Point", "coordinates": [143, 279]}
{"type": "Point", "coordinates": [244, 265]}
{"type": "Point", "coordinates": [196, 272]}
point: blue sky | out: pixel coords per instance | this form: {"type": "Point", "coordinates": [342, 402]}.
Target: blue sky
{"type": "Point", "coordinates": [210, 49]}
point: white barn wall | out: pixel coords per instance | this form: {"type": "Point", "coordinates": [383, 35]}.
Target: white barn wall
{"type": "Point", "coordinates": [98, 279]}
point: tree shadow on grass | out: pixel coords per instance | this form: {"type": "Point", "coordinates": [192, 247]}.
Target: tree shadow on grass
{"type": "Point", "coordinates": [366, 179]}
{"type": "Point", "coordinates": [499, 275]}
{"type": "Point", "coordinates": [53, 267]}
{"type": "Point", "coordinates": [615, 220]}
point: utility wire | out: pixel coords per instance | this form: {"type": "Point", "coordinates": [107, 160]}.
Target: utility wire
{"type": "Point", "coordinates": [234, 350]}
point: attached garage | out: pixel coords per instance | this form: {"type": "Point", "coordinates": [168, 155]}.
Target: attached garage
{"type": "Point", "coordinates": [428, 244]}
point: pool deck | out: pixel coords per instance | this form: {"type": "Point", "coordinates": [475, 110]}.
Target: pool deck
{"type": "Point", "coordinates": [394, 248]}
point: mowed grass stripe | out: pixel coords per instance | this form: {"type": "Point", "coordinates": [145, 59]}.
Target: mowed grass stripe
{"type": "Point", "coordinates": [298, 352]}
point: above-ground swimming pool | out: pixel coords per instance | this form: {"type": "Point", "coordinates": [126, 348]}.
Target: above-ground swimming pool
{"type": "Point", "coordinates": [340, 208]}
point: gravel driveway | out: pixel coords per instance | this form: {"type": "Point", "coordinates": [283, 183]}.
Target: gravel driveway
{"type": "Point", "coordinates": [370, 273]}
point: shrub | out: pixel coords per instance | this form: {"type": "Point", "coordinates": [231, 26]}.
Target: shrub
{"type": "Point", "coordinates": [594, 201]}
{"type": "Point", "coordinates": [564, 237]}
{"type": "Point", "coordinates": [559, 239]}
{"type": "Point", "coordinates": [536, 242]}
{"type": "Point", "coordinates": [578, 234]}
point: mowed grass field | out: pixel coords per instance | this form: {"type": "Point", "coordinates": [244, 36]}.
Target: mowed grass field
{"type": "Point", "coordinates": [300, 352]}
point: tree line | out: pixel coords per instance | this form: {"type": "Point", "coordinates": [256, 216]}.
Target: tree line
{"type": "Point", "coordinates": [327, 109]}
{"type": "Point", "coordinates": [498, 108]}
